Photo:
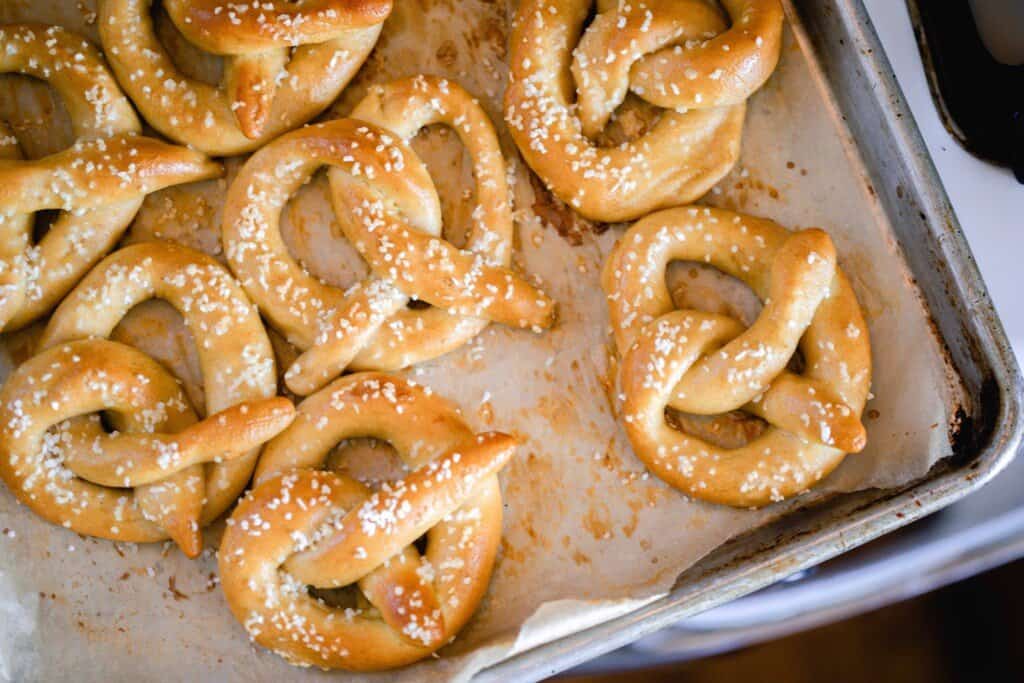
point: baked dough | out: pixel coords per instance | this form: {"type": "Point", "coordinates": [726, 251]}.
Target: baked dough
{"type": "Point", "coordinates": [131, 485]}
{"type": "Point", "coordinates": [267, 87]}
{"type": "Point", "coordinates": [235, 355]}
{"type": "Point", "coordinates": [680, 55]}
{"type": "Point", "coordinates": [98, 184]}
{"type": "Point", "coordinates": [389, 210]}
{"type": "Point", "coordinates": [708, 364]}
{"type": "Point", "coordinates": [301, 526]}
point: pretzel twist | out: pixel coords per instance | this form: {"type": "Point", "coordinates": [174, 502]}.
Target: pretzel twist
{"type": "Point", "coordinates": [677, 54]}
{"type": "Point", "coordinates": [98, 183]}
{"type": "Point", "coordinates": [284, 63]}
{"type": "Point", "coordinates": [234, 352]}
{"type": "Point", "coordinates": [389, 210]}
{"type": "Point", "coordinates": [131, 485]}
{"type": "Point", "coordinates": [301, 527]}
{"type": "Point", "coordinates": [707, 364]}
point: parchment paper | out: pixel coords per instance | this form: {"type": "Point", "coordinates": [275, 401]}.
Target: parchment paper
{"type": "Point", "coordinates": [588, 534]}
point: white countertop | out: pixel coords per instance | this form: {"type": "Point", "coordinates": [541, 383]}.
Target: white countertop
{"type": "Point", "coordinates": [988, 200]}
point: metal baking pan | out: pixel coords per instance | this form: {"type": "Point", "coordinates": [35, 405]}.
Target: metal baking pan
{"type": "Point", "coordinates": [844, 44]}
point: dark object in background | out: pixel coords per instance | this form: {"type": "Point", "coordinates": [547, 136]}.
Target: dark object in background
{"type": "Point", "coordinates": [980, 100]}
{"type": "Point", "coordinates": [969, 631]}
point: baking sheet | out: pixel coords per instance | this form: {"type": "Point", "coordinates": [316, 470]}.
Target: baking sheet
{"type": "Point", "coordinates": [587, 535]}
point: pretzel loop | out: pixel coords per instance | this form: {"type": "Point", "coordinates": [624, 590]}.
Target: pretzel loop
{"type": "Point", "coordinates": [681, 55]}
{"type": "Point", "coordinates": [707, 364]}
{"type": "Point", "coordinates": [389, 210]}
{"type": "Point", "coordinates": [98, 183]}
{"type": "Point", "coordinates": [622, 35]}
{"type": "Point", "coordinates": [302, 527]}
{"type": "Point", "coordinates": [138, 484]}
{"type": "Point", "coordinates": [234, 352]}
{"type": "Point", "coordinates": [676, 55]}
{"type": "Point", "coordinates": [723, 70]}
{"type": "Point", "coordinates": [285, 62]}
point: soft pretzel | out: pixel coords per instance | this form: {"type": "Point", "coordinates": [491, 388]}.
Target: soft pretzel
{"type": "Point", "coordinates": [139, 483]}
{"type": "Point", "coordinates": [284, 63]}
{"type": "Point", "coordinates": [707, 364]}
{"type": "Point", "coordinates": [676, 54]}
{"type": "Point", "coordinates": [15, 231]}
{"type": "Point", "coordinates": [302, 527]}
{"type": "Point", "coordinates": [389, 210]}
{"type": "Point", "coordinates": [234, 353]}
{"type": "Point", "coordinates": [99, 182]}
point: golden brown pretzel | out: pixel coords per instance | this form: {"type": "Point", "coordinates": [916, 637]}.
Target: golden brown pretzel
{"type": "Point", "coordinates": [234, 352]}
{"type": "Point", "coordinates": [137, 484]}
{"type": "Point", "coordinates": [98, 183]}
{"type": "Point", "coordinates": [677, 54]}
{"type": "Point", "coordinates": [300, 527]}
{"type": "Point", "coordinates": [267, 88]}
{"type": "Point", "coordinates": [15, 231]}
{"type": "Point", "coordinates": [389, 210]}
{"type": "Point", "coordinates": [707, 364]}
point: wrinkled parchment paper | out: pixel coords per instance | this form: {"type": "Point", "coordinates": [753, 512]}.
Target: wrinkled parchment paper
{"type": "Point", "coordinates": [588, 534]}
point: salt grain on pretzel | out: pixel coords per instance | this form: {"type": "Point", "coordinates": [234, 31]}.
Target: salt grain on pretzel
{"type": "Point", "coordinates": [140, 483]}
{"type": "Point", "coordinates": [234, 352]}
{"type": "Point", "coordinates": [302, 527]}
{"type": "Point", "coordinates": [707, 364]}
{"type": "Point", "coordinates": [15, 231]}
{"type": "Point", "coordinates": [284, 63]}
{"type": "Point", "coordinates": [678, 54]}
{"type": "Point", "coordinates": [389, 210]}
{"type": "Point", "coordinates": [98, 183]}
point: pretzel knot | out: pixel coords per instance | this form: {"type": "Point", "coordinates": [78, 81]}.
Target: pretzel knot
{"type": "Point", "coordinates": [706, 364]}
{"type": "Point", "coordinates": [389, 210]}
{"type": "Point", "coordinates": [137, 483]}
{"type": "Point", "coordinates": [679, 55]}
{"type": "Point", "coordinates": [302, 527]}
{"type": "Point", "coordinates": [284, 63]}
{"type": "Point", "coordinates": [234, 352]}
{"type": "Point", "coordinates": [98, 183]}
